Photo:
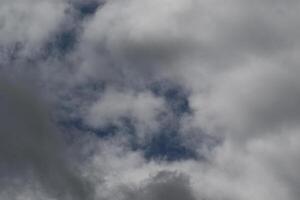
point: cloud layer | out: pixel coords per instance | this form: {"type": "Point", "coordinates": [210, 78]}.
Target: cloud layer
{"type": "Point", "coordinates": [149, 99]}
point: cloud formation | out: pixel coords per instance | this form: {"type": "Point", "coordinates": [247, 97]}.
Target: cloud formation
{"type": "Point", "coordinates": [219, 79]}
{"type": "Point", "coordinates": [31, 149]}
{"type": "Point", "coordinates": [142, 108]}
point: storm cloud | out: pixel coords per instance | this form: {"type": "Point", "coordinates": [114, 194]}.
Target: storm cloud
{"type": "Point", "coordinates": [32, 149]}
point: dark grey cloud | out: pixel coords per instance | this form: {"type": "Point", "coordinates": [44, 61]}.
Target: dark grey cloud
{"type": "Point", "coordinates": [31, 147]}
{"type": "Point", "coordinates": [164, 185]}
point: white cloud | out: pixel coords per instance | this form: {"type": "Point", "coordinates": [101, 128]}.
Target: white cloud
{"type": "Point", "coordinates": [142, 107]}
{"type": "Point", "coordinates": [30, 22]}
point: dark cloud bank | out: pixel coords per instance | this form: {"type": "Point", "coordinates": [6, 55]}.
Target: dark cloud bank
{"type": "Point", "coordinates": [149, 100]}
{"type": "Point", "coordinates": [31, 148]}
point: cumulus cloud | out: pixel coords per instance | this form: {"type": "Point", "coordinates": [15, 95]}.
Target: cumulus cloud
{"type": "Point", "coordinates": [29, 23]}
{"type": "Point", "coordinates": [143, 108]}
{"type": "Point", "coordinates": [97, 64]}
{"type": "Point", "coordinates": [164, 185]}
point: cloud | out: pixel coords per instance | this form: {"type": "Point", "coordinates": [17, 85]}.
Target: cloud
{"type": "Point", "coordinates": [252, 100]}
{"type": "Point", "coordinates": [164, 185]}
{"type": "Point", "coordinates": [238, 62]}
{"type": "Point", "coordinates": [29, 23]}
{"type": "Point", "coordinates": [142, 107]}
{"type": "Point", "coordinates": [235, 64]}
{"type": "Point", "coordinates": [31, 148]}
{"type": "Point", "coordinates": [190, 41]}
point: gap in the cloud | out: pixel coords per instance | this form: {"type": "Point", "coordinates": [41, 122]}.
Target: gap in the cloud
{"type": "Point", "coordinates": [62, 43]}
{"type": "Point", "coordinates": [166, 143]}
{"type": "Point", "coordinates": [77, 124]}
{"type": "Point", "coordinates": [66, 39]}
{"type": "Point", "coordinates": [169, 147]}
{"type": "Point", "coordinates": [87, 8]}
{"type": "Point", "coordinates": [124, 127]}
{"type": "Point", "coordinates": [175, 96]}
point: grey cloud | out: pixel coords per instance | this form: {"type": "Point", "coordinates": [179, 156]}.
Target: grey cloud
{"type": "Point", "coordinates": [164, 185]}
{"type": "Point", "coordinates": [31, 145]}
{"type": "Point", "coordinates": [238, 60]}
{"type": "Point", "coordinates": [190, 37]}
{"type": "Point", "coordinates": [29, 23]}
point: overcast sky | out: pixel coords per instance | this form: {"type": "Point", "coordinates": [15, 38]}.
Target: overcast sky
{"type": "Point", "coordinates": [149, 100]}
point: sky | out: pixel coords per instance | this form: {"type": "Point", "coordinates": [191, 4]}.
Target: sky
{"type": "Point", "coordinates": [149, 100]}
